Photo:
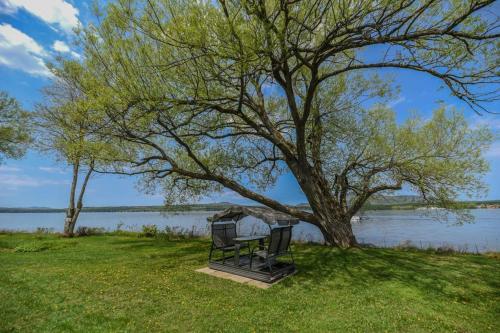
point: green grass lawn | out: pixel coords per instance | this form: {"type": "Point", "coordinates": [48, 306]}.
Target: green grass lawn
{"type": "Point", "coordinates": [126, 283]}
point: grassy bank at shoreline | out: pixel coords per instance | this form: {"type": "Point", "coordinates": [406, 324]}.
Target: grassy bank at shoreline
{"type": "Point", "coordinates": [126, 283]}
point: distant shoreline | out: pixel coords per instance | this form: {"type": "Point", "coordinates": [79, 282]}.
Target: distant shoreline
{"type": "Point", "coordinates": [489, 204]}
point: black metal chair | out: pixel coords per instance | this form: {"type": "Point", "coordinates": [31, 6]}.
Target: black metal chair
{"type": "Point", "coordinates": [279, 245]}
{"type": "Point", "coordinates": [223, 234]}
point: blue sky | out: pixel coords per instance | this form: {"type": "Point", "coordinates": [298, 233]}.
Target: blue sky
{"type": "Point", "coordinates": [34, 31]}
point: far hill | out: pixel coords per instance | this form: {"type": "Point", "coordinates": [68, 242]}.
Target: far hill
{"type": "Point", "coordinates": [395, 199]}
{"type": "Point", "coordinates": [388, 200]}
{"type": "Point", "coordinates": [378, 203]}
{"type": "Point", "coordinates": [191, 207]}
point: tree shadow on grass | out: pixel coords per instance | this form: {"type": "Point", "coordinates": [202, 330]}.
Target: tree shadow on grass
{"type": "Point", "coordinates": [449, 276]}
{"type": "Point", "coordinates": [433, 275]}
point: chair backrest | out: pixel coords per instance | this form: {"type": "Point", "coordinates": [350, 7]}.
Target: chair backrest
{"type": "Point", "coordinates": [286, 237]}
{"type": "Point", "coordinates": [279, 240]}
{"type": "Point", "coordinates": [223, 234]}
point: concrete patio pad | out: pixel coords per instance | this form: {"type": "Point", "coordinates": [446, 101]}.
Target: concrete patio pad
{"type": "Point", "coordinates": [235, 278]}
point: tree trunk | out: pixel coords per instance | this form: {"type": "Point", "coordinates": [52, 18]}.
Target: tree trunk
{"type": "Point", "coordinates": [338, 232]}
{"type": "Point", "coordinates": [72, 213]}
{"type": "Point", "coordinates": [336, 228]}
{"type": "Point", "coordinates": [69, 223]}
{"type": "Point", "coordinates": [331, 216]}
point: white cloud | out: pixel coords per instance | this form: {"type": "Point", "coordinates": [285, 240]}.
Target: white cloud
{"type": "Point", "coordinates": [55, 12]}
{"type": "Point", "coordinates": [12, 178]}
{"type": "Point", "coordinates": [76, 55]}
{"type": "Point", "coordinates": [6, 8]}
{"type": "Point", "coordinates": [4, 168]}
{"type": "Point", "coordinates": [13, 181]}
{"type": "Point", "coordinates": [397, 101]}
{"type": "Point", "coordinates": [20, 51]}
{"type": "Point", "coordinates": [60, 46]}
{"type": "Point", "coordinates": [52, 170]}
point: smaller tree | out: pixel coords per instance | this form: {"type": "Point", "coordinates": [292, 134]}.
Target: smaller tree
{"type": "Point", "coordinates": [64, 123]}
{"type": "Point", "coordinates": [14, 128]}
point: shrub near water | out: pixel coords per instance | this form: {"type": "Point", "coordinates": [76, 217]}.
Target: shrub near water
{"type": "Point", "coordinates": [89, 231]}
{"type": "Point", "coordinates": [149, 230]}
{"type": "Point", "coordinates": [43, 231]}
{"type": "Point", "coordinates": [169, 233]}
{"type": "Point", "coordinates": [177, 233]}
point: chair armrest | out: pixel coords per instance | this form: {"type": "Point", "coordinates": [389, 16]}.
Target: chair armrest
{"type": "Point", "coordinates": [263, 247]}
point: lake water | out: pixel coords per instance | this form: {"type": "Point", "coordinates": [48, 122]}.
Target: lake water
{"type": "Point", "coordinates": [382, 228]}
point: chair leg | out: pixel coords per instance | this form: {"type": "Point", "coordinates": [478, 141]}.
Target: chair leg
{"type": "Point", "coordinates": [210, 254]}
{"type": "Point", "coordinates": [223, 257]}
{"type": "Point", "coordinates": [251, 257]}
{"type": "Point", "coordinates": [270, 266]}
{"type": "Point", "coordinates": [249, 251]}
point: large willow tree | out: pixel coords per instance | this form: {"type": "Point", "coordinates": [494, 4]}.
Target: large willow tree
{"type": "Point", "coordinates": [209, 95]}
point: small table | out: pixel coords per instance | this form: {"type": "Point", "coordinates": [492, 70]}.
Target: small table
{"type": "Point", "coordinates": [245, 239]}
